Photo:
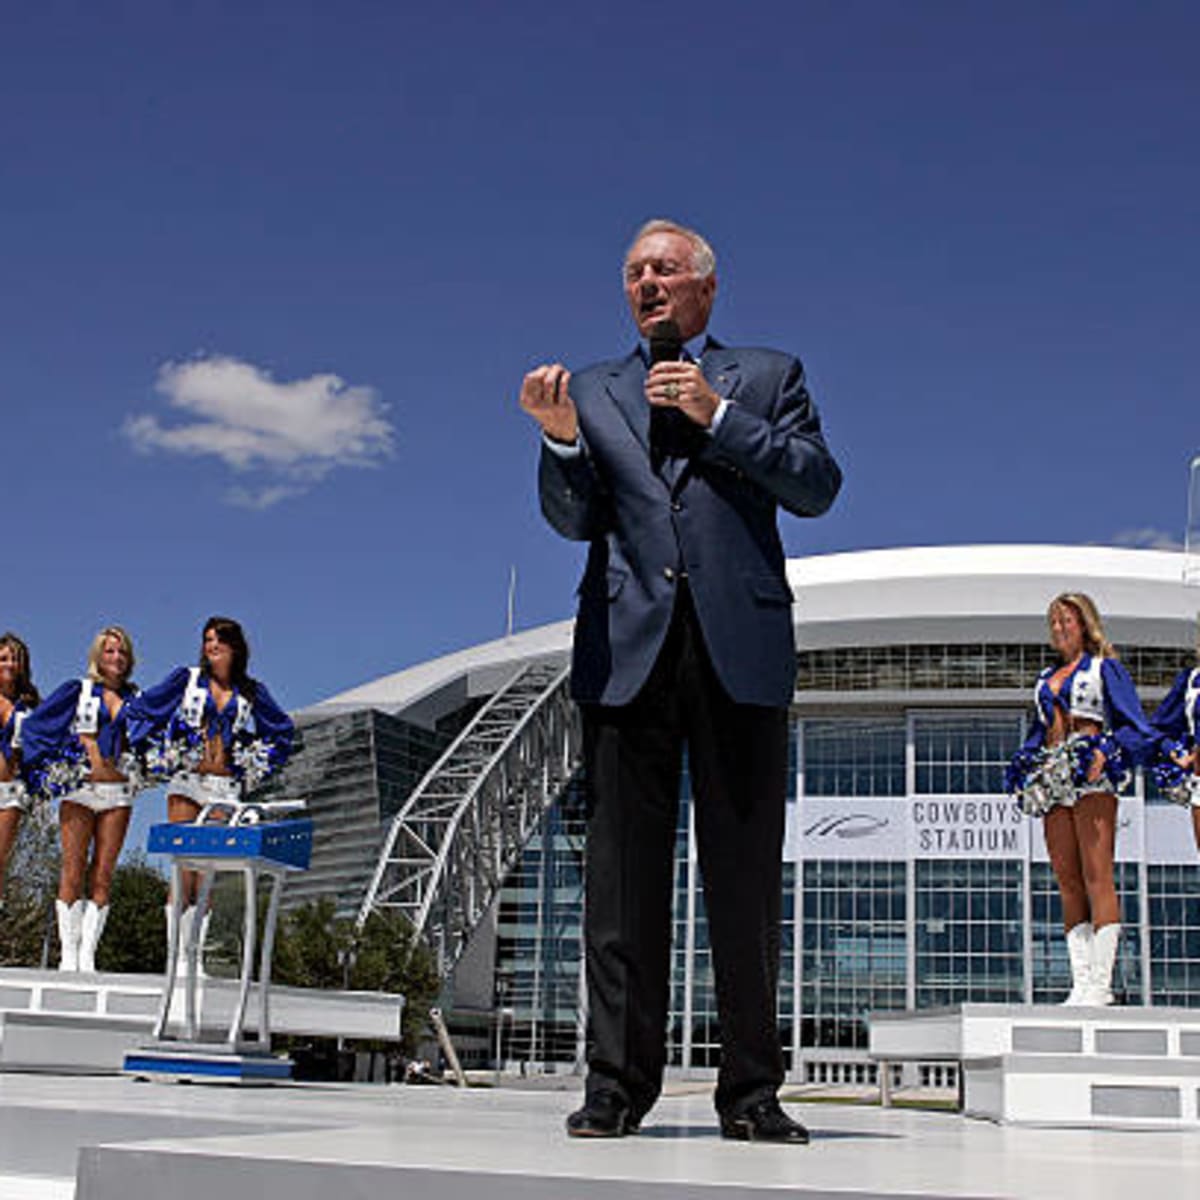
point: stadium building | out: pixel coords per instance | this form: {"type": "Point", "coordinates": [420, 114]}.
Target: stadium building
{"type": "Point", "coordinates": [451, 791]}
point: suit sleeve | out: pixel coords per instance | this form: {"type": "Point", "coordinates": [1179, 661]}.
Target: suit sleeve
{"type": "Point", "coordinates": [785, 452]}
{"type": "Point", "coordinates": [572, 497]}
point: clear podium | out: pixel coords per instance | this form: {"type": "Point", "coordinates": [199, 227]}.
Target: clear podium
{"type": "Point", "coordinates": [258, 841]}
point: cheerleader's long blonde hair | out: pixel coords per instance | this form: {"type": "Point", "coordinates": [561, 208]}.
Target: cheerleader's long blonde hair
{"type": "Point", "coordinates": [97, 648]}
{"type": "Point", "coordinates": [1095, 640]}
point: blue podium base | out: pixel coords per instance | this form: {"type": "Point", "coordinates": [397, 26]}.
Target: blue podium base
{"type": "Point", "coordinates": [200, 1062]}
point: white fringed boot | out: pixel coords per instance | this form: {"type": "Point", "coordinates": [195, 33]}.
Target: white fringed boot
{"type": "Point", "coordinates": [94, 919]}
{"type": "Point", "coordinates": [1104, 957]}
{"type": "Point", "coordinates": [201, 939]}
{"type": "Point", "coordinates": [1079, 952]}
{"type": "Point", "coordinates": [169, 918]}
{"type": "Point", "coordinates": [186, 916]}
{"type": "Point", "coordinates": [70, 929]}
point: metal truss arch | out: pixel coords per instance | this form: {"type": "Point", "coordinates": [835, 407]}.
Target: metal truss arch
{"type": "Point", "coordinates": [463, 827]}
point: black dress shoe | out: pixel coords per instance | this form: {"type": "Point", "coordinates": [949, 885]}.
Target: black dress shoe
{"type": "Point", "coordinates": [764, 1121]}
{"type": "Point", "coordinates": [604, 1115]}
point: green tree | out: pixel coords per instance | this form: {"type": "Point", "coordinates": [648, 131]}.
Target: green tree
{"type": "Point", "coordinates": [387, 958]}
{"type": "Point", "coordinates": [32, 879]}
{"type": "Point", "coordinates": [316, 948]}
{"type": "Point", "coordinates": [135, 938]}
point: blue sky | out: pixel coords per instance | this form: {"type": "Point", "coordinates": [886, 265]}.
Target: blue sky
{"type": "Point", "coordinates": [975, 222]}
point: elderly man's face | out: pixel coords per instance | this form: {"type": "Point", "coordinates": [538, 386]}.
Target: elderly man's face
{"type": "Point", "coordinates": [661, 284]}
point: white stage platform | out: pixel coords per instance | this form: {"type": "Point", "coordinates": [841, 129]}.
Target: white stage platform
{"type": "Point", "coordinates": [71, 1022]}
{"type": "Point", "coordinates": [1112, 1067]}
{"type": "Point", "coordinates": [139, 1141]}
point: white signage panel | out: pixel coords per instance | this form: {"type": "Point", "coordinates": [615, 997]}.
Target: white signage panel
{"type": "Point", "coordinates": [968, 827]}
{"type": "Point", "coordinates": [849, 827]}
{"type": "Point", "coordinates": [975, 827]}
{"type": "Point", "coordinates": [1169, 836]}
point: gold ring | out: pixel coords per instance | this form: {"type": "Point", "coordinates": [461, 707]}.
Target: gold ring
{"type": "Point", "coordinates": [671, 391]}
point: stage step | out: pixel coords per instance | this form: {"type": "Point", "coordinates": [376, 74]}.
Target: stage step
{"type": "Point", "coordinates": [1043, 1064]}
{"type": "Point", "coordinates": [1089, 1090]}
{"type": "Point", "coordinates": [69, 1023]}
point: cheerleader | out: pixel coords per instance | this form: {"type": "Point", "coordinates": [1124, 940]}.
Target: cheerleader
{"type": "Point", "coordinates": [1088, 732]}
{"type": "Point", "coordinates": [1177, 722]}
{"type": "Point", "coordinates": [73, 748]}
{"type": "Point", "coordinates": [211, 733]}
{"type": "Point", "coordinates": [17, 697]}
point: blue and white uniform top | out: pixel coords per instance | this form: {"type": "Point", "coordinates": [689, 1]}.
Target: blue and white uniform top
{"type": "Point", "coordinates": [1098, 690]}
{"type": "Point", "coordinates": [170, 723]}
{"type": "Point", "coordinates": [53, 759]}
{"type": "Point", "coordinates": [1178, 716]}
{"type": "Point", "coordinates": [10, 731]}
{"type": "Point", "coordinates": [1176, 724]}
{"type": "Point", "coordinates": [13, 793]}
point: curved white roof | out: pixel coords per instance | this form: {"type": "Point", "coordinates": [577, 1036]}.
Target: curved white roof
{"type": "Point", "coordinates": [872, 597]}
{"type": "Point", "coordinates": [986, 593]}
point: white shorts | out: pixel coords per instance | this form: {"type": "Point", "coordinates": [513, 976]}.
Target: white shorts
{"type": "Point", "coordinates": [102, 797]}
{"type": "Point", "coordinates": [1186, 792]}
{"type": "Point", "coordinates": [205, 789]}
{"type": "Point", "coordinates": [14, 795]}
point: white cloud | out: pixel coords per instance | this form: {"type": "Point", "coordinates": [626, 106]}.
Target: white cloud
{"type": "Point", "coordinates": [290, 434]}
{"type": "Point", "coordinates": [1147, 538]}
{"type": "Point", "coordinates": [261, 497]}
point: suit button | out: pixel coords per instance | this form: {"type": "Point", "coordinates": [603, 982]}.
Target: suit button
{"type": "Point", "coordinates": [669, 574]}
{"type": "Point", "coordinates": [677, 506]}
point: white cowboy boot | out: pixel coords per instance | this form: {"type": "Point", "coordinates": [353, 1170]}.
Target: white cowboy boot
{"type": "Point", "coordinates": [201, 939]}
{"type": "Point", "coordinates": [169, 914]}
{"type": "Point", "coordinates": [185, 934]}
{"type": "Point", "coordinates": [1079, 952]}
{"type": "Point", "coordinates": [1104, 956]}
{"type": "Point", "coordinates": [70, 929]}
{"type": "Point", "coordinates": [94, 920]}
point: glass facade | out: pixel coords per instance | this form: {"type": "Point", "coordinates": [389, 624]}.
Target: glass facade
{"type": "Point", "coordinates": [960, 907]}
{"type": "Point", "coordinates": [538, 947]}
{"type": "Point", "coordinates": [353, 770]}
{"type": "Point", "coordinates": [1051, 971]}
{"type": "Point", "coordinates": [1173, 894]}
{"type": "Point", "coordinates": [853, 933]}
{"type": "Point", "coordinates": [961, 666]}
{"type": "Point", "coordinates": [968, 931]}
{"type": "Point", "coordinates": [963, 753]}
{"type": "Point", "coordinates": [853, 757]}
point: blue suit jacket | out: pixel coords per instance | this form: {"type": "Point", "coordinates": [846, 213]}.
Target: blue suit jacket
{"type": "Point", "coordinates": [712, 515]}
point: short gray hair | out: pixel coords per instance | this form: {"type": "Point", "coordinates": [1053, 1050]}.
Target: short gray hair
{"type": "Point", "coordinates": [704, 261]}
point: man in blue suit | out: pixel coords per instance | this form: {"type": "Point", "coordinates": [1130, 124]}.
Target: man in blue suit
{"type": "Point", "coordinates": [672, 463]}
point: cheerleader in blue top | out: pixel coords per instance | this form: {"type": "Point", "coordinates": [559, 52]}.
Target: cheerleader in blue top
{"type": "Point", "coordinates": [212, 733]}
{"type": "Point", "coordinates": [1177, 723]}
{"type": "Point", "coordinates": [73, 748]}
{"type": "Point", "coordinates": [17, 697]}
{"type": "Point", "coordinates": [1088, 732]}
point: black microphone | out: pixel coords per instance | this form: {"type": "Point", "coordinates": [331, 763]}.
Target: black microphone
{"type": "Point", "coordinates": [671, 433]}
{"type": "Point", "coordinates": [666, 342]}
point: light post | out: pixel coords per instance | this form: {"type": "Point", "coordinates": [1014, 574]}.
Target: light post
{"type": "Point", "coordinates": [501, 1014]}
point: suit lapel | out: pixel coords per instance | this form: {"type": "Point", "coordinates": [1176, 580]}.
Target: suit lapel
{"type": "Point", "coordinates": [625, 386]}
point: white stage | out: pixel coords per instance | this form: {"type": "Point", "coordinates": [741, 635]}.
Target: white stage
{"type": "Point", "coordinates": [72, 1022]}
{"type": "Point", "coordinates": [141, 1141]}
{"type": "Point", "coordinates": [1118, 1067]}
